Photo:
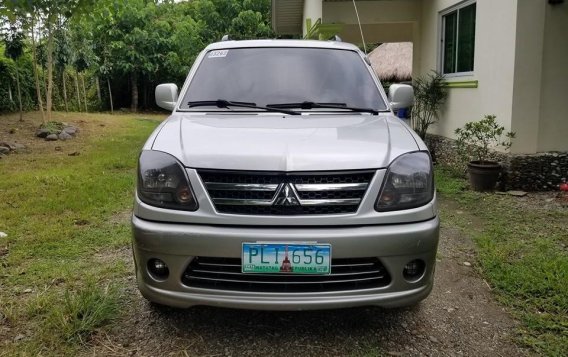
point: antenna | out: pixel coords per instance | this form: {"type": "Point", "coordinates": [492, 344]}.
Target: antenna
{"type": "Point", "coordinates": [360, 28]}
{"type": "Point", "coordinates": [225, 38]}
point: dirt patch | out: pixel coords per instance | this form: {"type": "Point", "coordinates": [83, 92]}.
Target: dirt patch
{"type": "Point", "coordinates": [459, 318]}
{"type": "Point", "coordinates": [89, 124]}
{"type": "Point", "coordinates": [113, 256]}
{"type": "Point", "coordinates": [24, 132]}
{"type": "Point", "coordinates": [121, 217]}
{"type": "Point", "coordinates": [540, 201]}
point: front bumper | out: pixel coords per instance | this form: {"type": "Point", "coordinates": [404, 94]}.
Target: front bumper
{"type": "Point", "coordinates": [177, 244]}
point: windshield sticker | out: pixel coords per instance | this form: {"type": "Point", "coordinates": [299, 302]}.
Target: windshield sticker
{"type": "Point", "coordinates": [218, 53]}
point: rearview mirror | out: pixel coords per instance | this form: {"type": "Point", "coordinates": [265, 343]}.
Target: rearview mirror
{"type": "Point", "coordinates": [401, 96]}
{"type": "Point", "coordinates": [167, 96]}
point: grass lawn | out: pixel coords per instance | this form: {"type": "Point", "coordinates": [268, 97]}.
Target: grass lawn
{"type": "Point", "coordinates": [65, 215]}
{"type": "Point", "coordinates": [522, 251]}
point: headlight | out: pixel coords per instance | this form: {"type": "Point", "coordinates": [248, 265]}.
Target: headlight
{"type": "Point", "coordinates": [162, 182]}
{"type": "Point", "coordinates": [408, 183]}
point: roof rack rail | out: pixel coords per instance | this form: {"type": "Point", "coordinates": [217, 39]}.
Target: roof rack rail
{"type": "Point", "coordinates": [226, 38]}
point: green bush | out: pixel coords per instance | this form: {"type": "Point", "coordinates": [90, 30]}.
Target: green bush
{"type": "Point", "coordinates": [476, 138]}
{"type": "Point", "coordinates": [429, 96]}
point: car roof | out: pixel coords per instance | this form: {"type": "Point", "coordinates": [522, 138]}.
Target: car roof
{"type": "Point", "coordinates": [282, 43]}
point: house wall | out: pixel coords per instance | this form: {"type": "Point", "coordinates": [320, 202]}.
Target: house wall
{"type": "Point", "coordinates": [313, 11]}
{"type": "Point", "coordinates": [372, 12]}
{"type": "Point", "coordinates": [287, 16]}
{"type": "Point", "coordinates": [528, 74]}
{"type": "Point", "coordinates": [553, 126]}
{"type": "Point", "coordinates": [493, 64]}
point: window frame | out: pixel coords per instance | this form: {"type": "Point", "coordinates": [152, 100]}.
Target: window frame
{"type": "Point", "coordinates": [441, 38]}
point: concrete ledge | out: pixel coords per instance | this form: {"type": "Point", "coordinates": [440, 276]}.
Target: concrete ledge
{"type": "Point", "coordinates": [461, 84]}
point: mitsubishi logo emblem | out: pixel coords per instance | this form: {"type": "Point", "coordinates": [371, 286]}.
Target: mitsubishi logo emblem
{"type": "Point", "coordinates": [287, 196]}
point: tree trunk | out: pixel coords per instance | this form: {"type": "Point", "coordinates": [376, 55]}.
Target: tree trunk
{"type": "Point", "coordinates": [36, 76]}
{"type": "Point", "coordinates": [134, 83]}
{"type": "Point", "coordinates": [43, 86]}
{"type": "Point", "coordinates": [64, 90]}
{"type": "Point", "coordinates": [77, 90]}
{"type": "Point", "coordinates": [98, 84]}
{"type": "Point", "coordinates": [84, 92]}
{"type": "Point", "coordinates": [49, 91]}
{"type": "Point", "coordinates": [110, 96]}
{"type": "Point", "coordinates": [10, 93]}
{"type": "Point", "coordinates": [145, 88]}
{"type": "Point", "coordinates": [19, 92]}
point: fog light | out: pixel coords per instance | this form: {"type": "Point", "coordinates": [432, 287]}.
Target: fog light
{"type": "Point", "coordinates": [158, 268]}
{"type": "Point", "coordinates": [414, 270]}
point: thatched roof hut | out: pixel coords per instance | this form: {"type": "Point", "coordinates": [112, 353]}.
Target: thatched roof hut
{"type": "Point", "coordinates": [392, 62]}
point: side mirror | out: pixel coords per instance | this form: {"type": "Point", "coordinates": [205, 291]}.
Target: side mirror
{"type": "Point", "coordinates": [401, 96]}
{"type": "Point", "coordinates": [167, 96]}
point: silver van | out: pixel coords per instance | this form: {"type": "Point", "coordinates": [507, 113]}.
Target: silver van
{"type": "Point", "coordinates": [283, 181]}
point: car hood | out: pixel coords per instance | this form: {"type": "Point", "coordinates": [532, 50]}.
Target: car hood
{"type": "Point", "coordinates": [275, 142]}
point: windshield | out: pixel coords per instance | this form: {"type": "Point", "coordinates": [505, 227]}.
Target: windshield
{"type": "Point", "coordinates": [269, 75]}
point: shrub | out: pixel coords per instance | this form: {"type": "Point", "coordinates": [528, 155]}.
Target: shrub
{"type": "Point", "coordinates": [429, 96]}
{"type": "Point", "coordinates": [476, 138]}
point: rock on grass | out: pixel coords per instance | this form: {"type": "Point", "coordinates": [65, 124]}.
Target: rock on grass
{"type": "Point", "coordinates": [53, 131]}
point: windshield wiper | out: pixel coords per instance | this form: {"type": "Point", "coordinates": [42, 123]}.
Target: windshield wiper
{"type": "Point", "coordinates": [222, 103]}
{"type": "Point", "coordinates": [314, 105]}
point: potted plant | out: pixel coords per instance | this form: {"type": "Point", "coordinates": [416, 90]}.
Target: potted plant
{"type": "Point", "coordinates": [474, 141]}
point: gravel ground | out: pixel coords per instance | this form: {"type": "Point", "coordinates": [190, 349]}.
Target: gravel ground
{"type": "Point", "coordinates": [458, 318]}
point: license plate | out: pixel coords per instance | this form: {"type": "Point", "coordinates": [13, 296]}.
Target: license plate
{"type": "Point", "coordinates": [286, 258]}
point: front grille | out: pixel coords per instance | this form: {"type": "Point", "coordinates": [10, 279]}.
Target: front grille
{"type": "Point", "coordinates": [286, 194]}
{"type": "Point", "coordinates": [225, 274]}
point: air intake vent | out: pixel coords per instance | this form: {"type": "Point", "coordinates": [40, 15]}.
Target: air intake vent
{"type": "Point", "coordinates": [225, 274]}
{"type": "Point", "coordinates": [286, 194]}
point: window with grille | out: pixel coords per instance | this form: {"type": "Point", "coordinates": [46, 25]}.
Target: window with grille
{"type": "Point", "coordinates": [458, 39]}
